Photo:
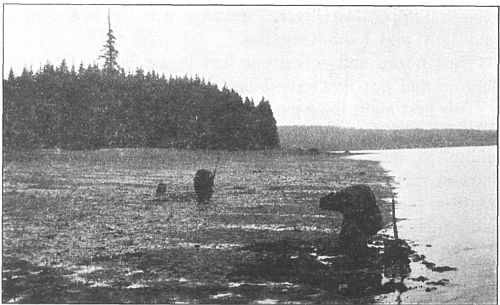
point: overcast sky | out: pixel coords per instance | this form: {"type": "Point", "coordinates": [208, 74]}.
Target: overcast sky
{"type": "Point", "coordinates": [363, 67]}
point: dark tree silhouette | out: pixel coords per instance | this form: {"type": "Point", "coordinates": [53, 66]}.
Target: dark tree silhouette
{"type": "Point", "coordinates": [110, 52]}
{"type": "Point", "coordinates": [88, 108]}
{"type": "Point", "coordinates": [93, 108]}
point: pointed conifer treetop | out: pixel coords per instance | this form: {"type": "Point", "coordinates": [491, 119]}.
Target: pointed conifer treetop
{"type": "Point", "coordinates": [11, 76]}
{"type": "Point", "coordinates": [110, 52]}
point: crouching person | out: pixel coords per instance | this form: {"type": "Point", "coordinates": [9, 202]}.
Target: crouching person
{"type": "Point", "coordinates": [362, 218]}
{"type": "Point", "coordinates": [204, 185]}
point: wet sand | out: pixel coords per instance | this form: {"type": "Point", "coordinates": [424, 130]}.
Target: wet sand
{"type": "Point", "coordinates": [85, 227]}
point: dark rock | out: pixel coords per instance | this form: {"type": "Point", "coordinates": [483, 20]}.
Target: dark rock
{"type": "Point", "coordinates": [443, 269]}
{"type": "Point", "coordinates": [439, 283]}
{"type": "Point", "coordinates": [419, 279]}
{"type": "Point", "coordinates": [161, 189]}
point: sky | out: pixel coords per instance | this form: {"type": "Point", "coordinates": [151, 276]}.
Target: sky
{"type": "Point", "coordinates": [361, 67]}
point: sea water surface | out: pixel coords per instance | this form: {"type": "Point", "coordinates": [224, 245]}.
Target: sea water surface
{"type": "Point", "coordinates": [447, 211]}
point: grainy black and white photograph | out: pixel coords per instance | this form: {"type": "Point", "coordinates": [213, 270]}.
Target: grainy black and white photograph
{"type": "Point", "coordinates": [249, 154]}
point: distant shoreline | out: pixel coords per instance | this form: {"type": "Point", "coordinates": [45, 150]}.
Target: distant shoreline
{"type": "Point", "coordinates": [329, 138]}
{"type": "Point", "coordinates": [374, 151]}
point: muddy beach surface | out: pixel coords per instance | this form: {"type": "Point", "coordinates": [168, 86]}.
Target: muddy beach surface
{"type": "Point", "coordinates": [85, 227]}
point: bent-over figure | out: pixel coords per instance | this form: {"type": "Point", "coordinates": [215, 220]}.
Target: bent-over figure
{"type": "Point", "coordinates": [203, 185]}
{"type": "Point", "coordinates": [362, 218]}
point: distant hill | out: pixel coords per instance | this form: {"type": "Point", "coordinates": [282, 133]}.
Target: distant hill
{"type": "Point", "coordinates": [336, 138]}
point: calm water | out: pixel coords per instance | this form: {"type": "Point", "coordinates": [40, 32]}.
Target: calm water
{"type": "Point", "coordinates": [447, 202]}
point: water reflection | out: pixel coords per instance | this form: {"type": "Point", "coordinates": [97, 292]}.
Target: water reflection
{"type": "Point", "coordinates": [289, 270]}
{"type": "Point", "coordinates": [396, 263]}
{"type": "Point", "coordinates": [321, 272]}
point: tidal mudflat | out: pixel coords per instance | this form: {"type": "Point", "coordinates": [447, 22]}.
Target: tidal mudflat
{"type": "Point", "coordinates": [85, 227]}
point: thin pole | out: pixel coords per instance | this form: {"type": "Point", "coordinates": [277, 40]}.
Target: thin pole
{"type": "Point", "coordinates": [394, 225]}
{"type": "Point", "coordinates": [216, 164]}
{"type": "Point", "coordinates": [394, 218]}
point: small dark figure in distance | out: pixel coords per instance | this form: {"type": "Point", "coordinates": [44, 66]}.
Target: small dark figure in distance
{"type": "Point", "coordinates": [204, 185]}
{"type": "Point", "coordinates": [161, 189]}
{"type": "Point", "coordinates": [362, 218]}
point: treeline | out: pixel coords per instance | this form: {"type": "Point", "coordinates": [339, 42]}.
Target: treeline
{"type": "Point", "coordinates": [327, 138]}
{"type": "Point", "coordinates": [89, 108]}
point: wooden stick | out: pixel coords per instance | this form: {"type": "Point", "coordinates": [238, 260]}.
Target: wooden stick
{"type": "Point", "coordinates": [394, 225]}
{"type": "Point", "coordinates": [216, 164]}
{"type": "Point", "coordinates": [394, 218]}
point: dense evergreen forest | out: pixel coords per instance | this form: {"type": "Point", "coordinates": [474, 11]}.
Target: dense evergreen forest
{"type": "Point", "coordinates": [340, 139]}
{"type": "Point", "coordinates": [102, 107]}
{"type": "Point", "coordinates": [92, 107]}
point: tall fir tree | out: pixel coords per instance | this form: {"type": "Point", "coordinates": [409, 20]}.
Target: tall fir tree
{"type": "Point", "coordinates": [11, 76]}
{"type": "Point", "coordinates": [89, 108]}
{"type": "Point", "coordinates": [110, 52]}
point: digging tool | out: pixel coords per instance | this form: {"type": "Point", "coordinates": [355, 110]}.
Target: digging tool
{"type": "Point", "coordinates": [216, 164]}
{"type": "Point", "coordinates": [395, 257]}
